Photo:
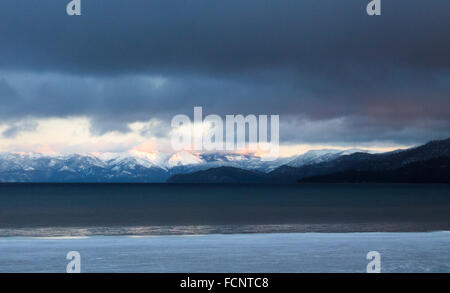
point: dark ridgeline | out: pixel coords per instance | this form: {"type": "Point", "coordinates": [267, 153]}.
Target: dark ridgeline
{"type": "Point", "coordinates": [221, 175]}
{"type": "Point", "coordinates": [428, 163]}
{"type": "Point", "coordinates": [430, 171]}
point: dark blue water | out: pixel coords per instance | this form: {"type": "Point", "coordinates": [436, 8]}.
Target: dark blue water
{"type": "Point", "coordinates": [149, 209]}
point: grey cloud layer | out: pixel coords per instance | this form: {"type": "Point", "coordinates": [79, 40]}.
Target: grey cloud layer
{"type": "Point", "coordinates": [388, 77]}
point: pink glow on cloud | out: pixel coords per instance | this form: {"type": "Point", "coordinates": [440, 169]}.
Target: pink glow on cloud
{"type": "Point", "coordinates": [146, 147]}
{"type": "Point", "coordinates": [46, 150]}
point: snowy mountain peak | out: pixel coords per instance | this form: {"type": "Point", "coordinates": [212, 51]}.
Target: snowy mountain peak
{"type": "Point", "coordinates": [137, 166]}
{"type": "Point", "coordinates": [183, 159]}
{"type": "Point", "coordinates": [320, 156]}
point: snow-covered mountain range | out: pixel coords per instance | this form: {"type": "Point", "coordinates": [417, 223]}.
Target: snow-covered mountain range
{"type": "Point", "coordinates": [427, 163]}
{"type": "Point", "coordinates": [138, 166]}
{"type": "Point", "coordinates": [320, 156]}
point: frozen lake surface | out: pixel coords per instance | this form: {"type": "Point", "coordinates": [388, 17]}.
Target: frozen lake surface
{"type": "Point", "coordinates": [290, 252]}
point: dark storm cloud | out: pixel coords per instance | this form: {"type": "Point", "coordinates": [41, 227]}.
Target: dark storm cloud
{"type": "Point", "coordinates": [306, 60]}
{"type": "Point", "coordinates": [8, 95]}
{"type": "Point", "coordinates": [222, 36]}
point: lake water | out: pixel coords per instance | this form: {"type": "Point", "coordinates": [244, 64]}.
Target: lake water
{"type": "Point", "coordinates": [224, 228]}
{"type": "Point", "coordinates": [290, 252]}
{"type": "Point", "coordinates": [161, 209]}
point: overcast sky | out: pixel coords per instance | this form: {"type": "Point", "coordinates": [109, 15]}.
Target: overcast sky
{"type": "Point", "coordinates": [113, 78]}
